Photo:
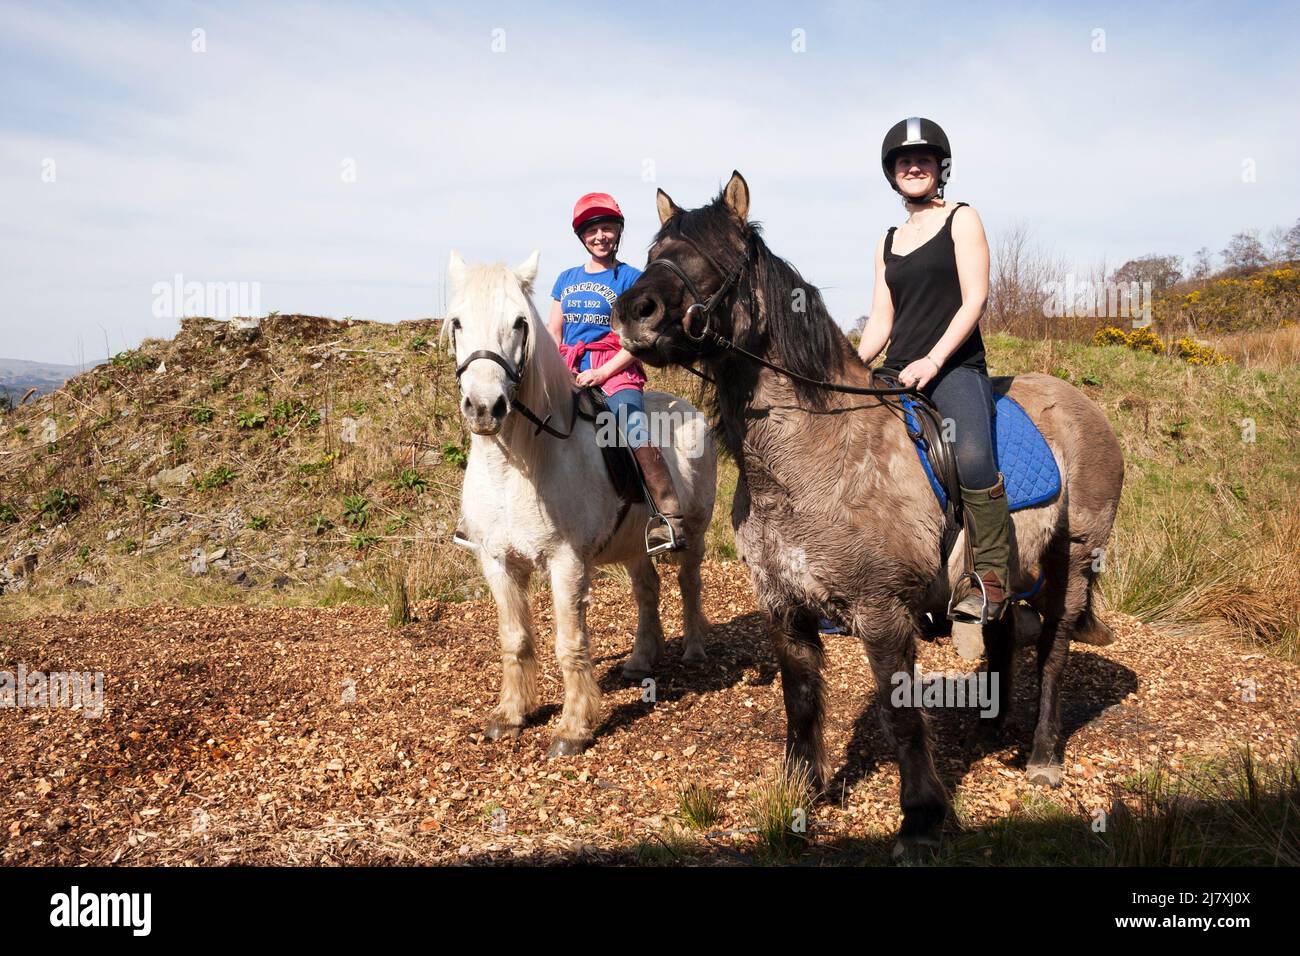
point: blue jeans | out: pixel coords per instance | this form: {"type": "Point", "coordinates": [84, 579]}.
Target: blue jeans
{"type": "Point", "coordinates": [628, 408]}
{"type": "Point", "coordinates": [965, 395]}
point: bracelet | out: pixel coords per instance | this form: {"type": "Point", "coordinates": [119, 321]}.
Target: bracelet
{"type": "Point", "coordinates": [938, 366]}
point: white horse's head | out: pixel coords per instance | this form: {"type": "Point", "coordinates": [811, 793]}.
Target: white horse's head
{"type": "Point", "coordinates": [494, 329]}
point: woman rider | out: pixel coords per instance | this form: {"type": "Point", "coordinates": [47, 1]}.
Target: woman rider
{"type": "Point", "coordinates": [583, 300]}
{"type": "Point", "coordinates": [932, 279]}
{"type": "Point", "coordinates": [579, 322]}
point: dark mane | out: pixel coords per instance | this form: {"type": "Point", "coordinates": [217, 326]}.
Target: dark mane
{"type": "Point", "coordinates": [807, 342]}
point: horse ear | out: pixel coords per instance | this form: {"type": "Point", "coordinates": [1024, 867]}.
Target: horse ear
{"type": "Point", "coordinates": [667, 208]}
{"type": "Point", "coordinates": [736, 196]}
{"type": "Point", "coordinates": [455, 269]}
{"type": "Point", "coordinates": [526, 271]}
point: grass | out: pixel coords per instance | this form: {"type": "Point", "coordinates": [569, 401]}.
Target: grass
{"type": "Point", "coordinates": [1206, 525]}
{"type": "Point", "coordinates": [780, 810]}
{"type": "Point", "coordinates": [699, 807]}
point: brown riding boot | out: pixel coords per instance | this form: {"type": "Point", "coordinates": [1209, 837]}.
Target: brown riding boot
{"type": "Point", "coordinates": [988, 531]}
{"type": "Point", "coordinates": [668, 534]}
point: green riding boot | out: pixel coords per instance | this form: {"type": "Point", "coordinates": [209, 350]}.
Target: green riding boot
{"type": "Point", "coordinates": [988, 538]}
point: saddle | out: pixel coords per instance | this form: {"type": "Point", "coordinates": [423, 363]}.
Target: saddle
{"type": "Point", "coordinates": [1029, 470]}
{"type": "Point", "coordinates": [620, 464]}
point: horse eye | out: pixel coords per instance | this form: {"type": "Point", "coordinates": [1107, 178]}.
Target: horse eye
{"type": "Point", "coordinates": [455, 324]}
{"type": "Point", "coordinates": [520, 322]}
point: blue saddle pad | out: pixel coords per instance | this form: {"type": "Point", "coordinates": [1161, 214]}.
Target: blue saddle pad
{"type": "Point", "coordinates": [1028, 469]}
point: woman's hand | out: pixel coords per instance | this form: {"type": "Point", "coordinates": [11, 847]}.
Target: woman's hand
{"type": "Point", "coordinates": [920, 373]}
{"type": "Point", "coordinates": [592, 376]}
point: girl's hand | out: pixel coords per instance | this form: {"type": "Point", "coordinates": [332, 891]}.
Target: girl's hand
{"type": "Point", "coordinates": [591, 376]}
{"type": "Point", "coordinates": [920, 373]}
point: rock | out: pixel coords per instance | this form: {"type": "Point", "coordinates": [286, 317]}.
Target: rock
{"type": "Point", "coordinates": [177, 477]}
{"type": "Point", "coordinates": [338, 568]}
{"type": "Point", "coordinates": [49, 431]}
{"type": "Point", "coordinates": [161, 369]}
{"type": "Point", "coordinates": [348, 431]}
{"type": "Point", "coordinates": [198, 562]}
{"type": "Point", "coordinates": [246, 328]}
{"type": "Point", "coordinates": [280, 581]}
{"type": "Point", "coordinates": [407, 389]}
{"type": "Point", "coordinates": [83, 580]}
{"type": "Point", "coordinates": [300, 559]}
{"type": "Point", "coordinates": [158, 539]}
{"type": "Point", "coordinates": [217, 554]}
{"type": "Point", "coordinates": [241, 578]}
{"type": "Point", "coordinates": [113, 535]}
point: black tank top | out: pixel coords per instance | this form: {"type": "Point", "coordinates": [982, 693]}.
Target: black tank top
{"type": "Point", "coordinates": [927, 294]}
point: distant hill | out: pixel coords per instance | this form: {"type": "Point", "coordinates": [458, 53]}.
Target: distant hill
{"type": "Point", "coordinates": [19, 375]}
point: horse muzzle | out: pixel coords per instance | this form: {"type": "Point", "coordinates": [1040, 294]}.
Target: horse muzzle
{"type": "Point", "coordinates": [483, 417]}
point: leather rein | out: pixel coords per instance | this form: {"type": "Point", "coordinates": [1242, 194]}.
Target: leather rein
{"type": "Point", "coordinates": [706, 307]}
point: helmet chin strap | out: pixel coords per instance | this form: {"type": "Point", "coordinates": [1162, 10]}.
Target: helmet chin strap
{"type": "Point", "coordinates": [924, 200]}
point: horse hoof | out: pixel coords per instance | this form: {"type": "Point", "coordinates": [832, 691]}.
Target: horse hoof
{"type": "Point", "coordinates": [914, 851]}
{"type": "Point", "coordinates": [563, 747]}
{"type": "Point", "coordinates": [636, 672]}
{"type": "Point", "coordinates": [499, 729]}
{"type": "Point", "coordinates": [695, 655]}
{"type": "Point", "coordinates": [1046, 775]}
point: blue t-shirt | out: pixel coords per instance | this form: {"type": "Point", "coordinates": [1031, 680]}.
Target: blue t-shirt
{"type": "Point", "coordinates": [587, 301]}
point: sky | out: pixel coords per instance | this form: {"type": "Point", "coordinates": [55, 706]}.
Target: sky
{"type": "Point", "coordinates": [332, 155]}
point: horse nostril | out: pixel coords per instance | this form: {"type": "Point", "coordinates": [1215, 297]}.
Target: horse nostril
{"type": "Point", "coordinates": [499, 407]}
{"type": "Point", "coordinates": [649, 306]}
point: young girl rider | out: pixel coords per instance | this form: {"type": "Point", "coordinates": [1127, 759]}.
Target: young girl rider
{"type": "Point", "coordinates": [583, 300]}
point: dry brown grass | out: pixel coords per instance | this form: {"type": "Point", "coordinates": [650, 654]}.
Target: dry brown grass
{"type": "Point", "coordinates": [1274, 349]}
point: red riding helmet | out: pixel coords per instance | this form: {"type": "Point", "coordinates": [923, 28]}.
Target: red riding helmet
{"type": "Point", "coordinates": [595, 207]}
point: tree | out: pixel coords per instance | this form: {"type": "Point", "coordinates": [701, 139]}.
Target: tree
{"type": "Point", "coordinates": [1291, 243]}
{"type": "Point", "coordinates": [1202, 264]}
{"type": "Point", "coordinates": [1244, 252]}
{"type": "Point", "coordinates": [860, 324]}
{"type": "Point", "coordinates": [1160, 271]}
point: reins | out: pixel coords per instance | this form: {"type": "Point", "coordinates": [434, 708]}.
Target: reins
{"type": "Point", "coordinates": [706, 309]}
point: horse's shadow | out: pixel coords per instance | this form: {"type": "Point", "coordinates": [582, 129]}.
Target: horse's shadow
{"type": "Point", "coordinates": [961, 738]}
{"type": "Point", "coordinates": [735, 657]}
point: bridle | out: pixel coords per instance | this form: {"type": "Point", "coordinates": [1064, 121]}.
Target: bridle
{"type": "Point", "coordinates": [516, 376]}
{"type": "Point", "coordinates": [707, 306]}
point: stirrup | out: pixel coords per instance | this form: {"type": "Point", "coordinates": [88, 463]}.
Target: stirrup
{"type": "Point", "coordinates": [984, 618]}
{"type": "Point", "coordinates": [672, 544]}
{"type": "Point", "coordinates": [460, 539]}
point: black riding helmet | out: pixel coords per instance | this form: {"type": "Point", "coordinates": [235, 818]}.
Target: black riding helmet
{"type": "Point", "coordinates": [916, 132]}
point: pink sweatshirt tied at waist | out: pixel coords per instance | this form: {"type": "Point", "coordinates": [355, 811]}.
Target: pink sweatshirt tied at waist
{"type": "Point", "coordinates": [602, 350]}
